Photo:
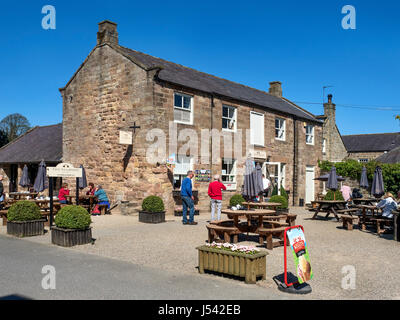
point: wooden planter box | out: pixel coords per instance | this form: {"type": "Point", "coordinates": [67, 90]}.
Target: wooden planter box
{"type": "Point", "coordinates": [151, 217]}
{"type": "Point", "coordinates": [232, 263]}
{"type": "Point", "coordinates": [26, 228]}
{"type": "Point", "coordinates": [70, 237]}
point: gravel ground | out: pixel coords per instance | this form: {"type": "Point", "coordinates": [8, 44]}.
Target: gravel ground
{"type": "Point", "coordinates": [171, 246]}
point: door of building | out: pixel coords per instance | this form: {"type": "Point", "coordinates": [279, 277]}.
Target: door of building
{"type": "Point", "coordinates": [13, 178]}
{"type": "Point", "coordinates": [275, 173]}
{"type": "Point", "coordinates": [310, 175]}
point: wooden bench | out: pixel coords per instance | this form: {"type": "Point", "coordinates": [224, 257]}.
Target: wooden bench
{"type": "Point", "coordinates": [217, 231]}
{"type": "Point", "coordinates": [350, 210]}
{"type": "Point", "coordinates": [382, 222]}
{"type": "Point", "coordinates": [267, 235]}
{"type": "Point", "coordinates": [291, 219]}
{"type": "Point", "coordinates": [275, 224]}
{"type": "Point", "coordinates": [348, 221]}
{"type": "Point", "coordinates": [3, 214]}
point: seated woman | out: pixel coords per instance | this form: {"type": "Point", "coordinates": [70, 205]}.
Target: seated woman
{"type": "Point", "coordinates": [91, 190]}
{"type": "Point", "coordinates": [387, 204]}
{"type": "Point", "coordinates": [102, 199]}
{"type": "Point", "coordinates": [62, 193]}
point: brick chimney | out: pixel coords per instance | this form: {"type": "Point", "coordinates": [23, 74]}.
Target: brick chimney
{"type": "Point", "coordinates": [330, 109]}
{"type": "Point", "coordinates": [275, 88]}
{"type": "Point", "coordinates": [107, 32]}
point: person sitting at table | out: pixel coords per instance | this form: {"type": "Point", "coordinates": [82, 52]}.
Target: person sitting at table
{"type": "Point", "coordinates": [91, 190]}
{"type": "Point", "coordinates": [102, 199]}
{"type": "Point", "coordinates": [387, 204]}
{"type": "Point", "coordinates": [62, 193]}
{"type": "Point", "coordinates": [346, 192]}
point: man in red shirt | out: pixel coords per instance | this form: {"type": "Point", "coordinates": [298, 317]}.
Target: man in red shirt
{"type": "Point", "coordinates": [215, 192]}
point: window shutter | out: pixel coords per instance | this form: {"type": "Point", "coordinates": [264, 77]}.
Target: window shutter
{"type": "Point", "coordinates": [256, 128]}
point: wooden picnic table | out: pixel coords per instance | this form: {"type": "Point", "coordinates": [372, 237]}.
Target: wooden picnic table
{"type": "Point", "coordinates": [365, 218]}
{"type": "Point", "coordinates": [365, 201]}
{"type": "Point", "coordinates": [330, 206]}
{"type": "Point", "coordinates": [262, 205]}
{"type": "Point", "coordinates": [83, 197]}
{"type": "Point", "coordinates": [22, 195]}
{"type": "Point", "coordinates": [249, 227]}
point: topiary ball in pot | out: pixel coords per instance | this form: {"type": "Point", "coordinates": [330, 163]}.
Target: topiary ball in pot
{"type": "Point", "coordinates": [24, 211]}
{"type": "Point", "coordinates": [153, 204]}
{"type": "Point", "coordinates": [280, 199]}
{"type": "Point", "coordinates": [153, 210]}
{"type": "Point", "coordinates": [331, 195]}
{"type": "Point", "coordinates": [73, 217]}
{"type": "Point", "coordinates": [235, 200]}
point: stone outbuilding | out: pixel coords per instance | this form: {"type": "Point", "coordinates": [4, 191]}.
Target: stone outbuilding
{"type": "Point", "coordinates": [118, 89]}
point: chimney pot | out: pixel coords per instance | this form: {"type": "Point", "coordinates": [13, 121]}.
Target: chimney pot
{"type": "Point", "coordinates": [329, 98]}
{"type": "Point", "coordinates": [275, 88]}
{"type": "Point", "coordinates": [107, 32]}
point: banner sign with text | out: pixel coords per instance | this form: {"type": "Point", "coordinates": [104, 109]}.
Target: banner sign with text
{"type": "Point", "coordinates": [300, 253]}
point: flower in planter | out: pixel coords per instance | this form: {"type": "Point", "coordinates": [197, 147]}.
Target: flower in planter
{"type": "Point", "coordinates": [233, 247]}
{"type": "Point", "coordinates": [24, 211]}
{"type": "Point", "coordinates": [73, 217]}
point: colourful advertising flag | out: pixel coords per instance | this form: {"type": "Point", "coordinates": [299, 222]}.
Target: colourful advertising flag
{"type": "Point", "coordinates": [300, 253]}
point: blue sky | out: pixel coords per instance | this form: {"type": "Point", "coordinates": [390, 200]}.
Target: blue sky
{"type": "Point", "coordinates": [300, 43]}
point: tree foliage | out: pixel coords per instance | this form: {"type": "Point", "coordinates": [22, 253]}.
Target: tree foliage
{"type": "Point", "coordinates": [352, 169]}
{"type": "Point", "coordinates": [14, 125]}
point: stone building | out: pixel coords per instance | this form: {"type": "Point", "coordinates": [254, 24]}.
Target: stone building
{"type": "Point", "coordinates": [116, 88]}
{"type": "Point", "coordinates": [367, 147]}
{"type": "Point", "coordinates": [333, 148]}
{"type": "Point", "coordinates": [37, 144]}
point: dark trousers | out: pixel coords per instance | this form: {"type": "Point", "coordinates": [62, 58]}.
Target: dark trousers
{"type": "Point", "coordinates": [187, 202]}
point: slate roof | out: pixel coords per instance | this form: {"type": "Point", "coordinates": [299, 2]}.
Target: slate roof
{"type": "Point", "coordinates": [190, 78]}
{"type": "Point", "coordinates": [39, 143]}
{"type": "Point", "coordinates": [393, 156]}
{"type": "Point", "coordinates": [377, 142]}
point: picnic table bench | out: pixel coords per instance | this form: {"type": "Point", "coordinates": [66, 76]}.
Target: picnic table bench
{"type": "Point", "coordinates": [348, 221]}
{"type": "Point", "coordinates": [217, 231]}
{"type": "Point", "coordinates": [266, 234]}
{"type": "Point", "coordinates": [329, 206]}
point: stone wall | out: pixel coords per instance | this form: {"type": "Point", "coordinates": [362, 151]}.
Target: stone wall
{"type": "Point", "coordinates": [364, 155]}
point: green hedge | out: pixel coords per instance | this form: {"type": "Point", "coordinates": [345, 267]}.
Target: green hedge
{"type": "Point", "coordinates": [73, 217]}
{"type": "Point", "coordinates": [329, 195]}
{"type": "Point", "coordinates": [24, 211]}
{"type": "Point", "coordinates": [352, 169]}
{"type": "Point", "coordinates": [284, 193]}
{"type": "Point", "coordinates": [235, 200]}
{"type": "Point", "coordinates": [280, 199]}
{"type": "Point", "coordinates": [275, 191]}
{"type": "Point", "coordinates": [153, 204]}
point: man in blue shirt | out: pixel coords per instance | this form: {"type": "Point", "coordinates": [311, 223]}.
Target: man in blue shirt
{"type": "Point", "coordinates": [187, 199]}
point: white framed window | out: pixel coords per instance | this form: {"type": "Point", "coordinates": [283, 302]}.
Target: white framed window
{"type": "Point", "coordinates": [183, 108]}
{"type": "Point", "coordinates": [324, 146]}
{"type": "Point", "coordinates": [228, 118]}
{"type": "Point", "coordinates": [183, 164]}
{"type": "Point", "coordinates": [228, 174]}
{"type": "Point", "coordinates": [256, 128]}
{"type": "Point", "coordinates": [280, 129]}
{"type": "Point", "coordinates": [276, 174]}
{"type": "Point", "coordinates": [363, 160]}
{"type": "Point", "coordinates": [309, 134]}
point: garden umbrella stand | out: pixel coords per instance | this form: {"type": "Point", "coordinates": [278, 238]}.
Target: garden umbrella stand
{"type": "Point", "coordinates": [82, 181]}
{"type": "Point", "coordinates": [24, 181]}
{"type": "Point", "coordinates": [364, 180]}
{"type": "Point", "coordinates": [332, 183]}
{"type": "Point", "coordinates": [41, 182]}
{"type": "Point", "coordinates": [252, 180]}
{"type": "Point", "coordinates": [377, 189]}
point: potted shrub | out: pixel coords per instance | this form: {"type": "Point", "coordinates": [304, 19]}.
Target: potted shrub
{"type": "Point", "coordinates": [331, 195]}
{"type": "Point", "coordinates": [72, 227]}
{"type": "Point", "coordinates": [24, 219]}
{"type": "Point", "coordinates": [152, 210]}
{"type": "Point", "coordinates": [282, 200]}
{"type": "Point", "coordinates": [235, 200]}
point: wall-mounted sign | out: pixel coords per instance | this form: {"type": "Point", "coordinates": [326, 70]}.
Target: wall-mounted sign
{"type": "Point", "coordinates": [258, 154]}
{"type": "Point", "coordinates": [300, 254]}
{"type": "Point", "coordinates": [125, 137]}
{"type": "Point", "coordinates": [202, 175]}
{"type": "Point", "coordinates": [64, 170]}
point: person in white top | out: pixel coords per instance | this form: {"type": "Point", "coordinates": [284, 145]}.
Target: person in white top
{"type": "Point", "coordinates": [266, 184]}
{"type": "Point", "coordinates": [387, 204]}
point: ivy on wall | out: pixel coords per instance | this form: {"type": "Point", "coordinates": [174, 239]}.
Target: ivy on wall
{"type": "Point", "coordinates": [352, 169]}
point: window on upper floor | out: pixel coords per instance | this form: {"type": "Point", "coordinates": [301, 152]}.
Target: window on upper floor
{"type": "Point", "coordinates": [183, 108]}
{"type": "Point", "coordinates": [256, 128]}
{"type": "Point", "coordinates": [228, 118]}
{"type": "Point", "coordinates": [309, 134]}
{"type": "Point", "coordinates": [280, 129]}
